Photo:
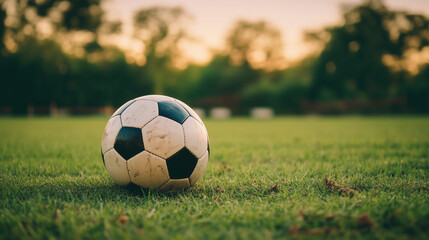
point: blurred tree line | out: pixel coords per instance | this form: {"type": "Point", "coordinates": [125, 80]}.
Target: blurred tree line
{"type": "Point", "coordinates": [50, 54]}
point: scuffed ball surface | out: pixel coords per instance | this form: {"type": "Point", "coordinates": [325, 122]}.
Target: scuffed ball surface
{"type": "Point", "coordinates": [156, 142]}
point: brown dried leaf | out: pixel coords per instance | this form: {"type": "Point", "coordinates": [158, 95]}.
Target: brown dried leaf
{"type": "Point", "coordinates": [302, 214]}
{"type": "Point", "coordinates": [217, 199]}
{"type": "Point", "coordinates": [364, 221]}
{"type": "Point", "coordinates": [294, 229]}
{"type": "Point", "coordinates": [275, 188]}
{"type": "Point", "coordinates": [322, 230]}
{"type": "Point", "coordinates": [121, 218]}
{"type": "Point", "coordinates": [333, 186]}
{"type": "Point", "coordinates": [330, 217]}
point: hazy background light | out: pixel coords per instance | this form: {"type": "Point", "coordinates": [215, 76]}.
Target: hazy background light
{"type": "Point", "coordinates": [211, 20]}
{"type": "Point", "coordinates": [311, 56]}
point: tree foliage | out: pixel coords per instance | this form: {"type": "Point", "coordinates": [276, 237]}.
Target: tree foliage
{"type": "Point", "coordinates": [374, 55]}
{"type": "Point", "coordinates": [161, 29]}
{"type": "Point", "coordinates": [258, 44]}
{"type": "Point", "coordinates": [43, 19]}
{"type": "Point", "coordinates": [354, 63]}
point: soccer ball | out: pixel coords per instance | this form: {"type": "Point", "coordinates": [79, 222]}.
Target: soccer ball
{"type": "Point", "coordinates": [155, 142]}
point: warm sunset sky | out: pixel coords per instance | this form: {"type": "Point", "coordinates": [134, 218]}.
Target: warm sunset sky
{"type": "Point", "coordinates": [212, 19]}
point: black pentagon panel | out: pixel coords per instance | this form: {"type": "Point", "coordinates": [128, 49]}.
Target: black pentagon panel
{"type": "Point", "coordinates": [122, 109]}
{"type": "Point", "coordinates": [191, 113]}
{"type": "Point", "coordinates": [173, 111]}
{"type": "Point", "coordinates": [181, 164]}
{"type": "Point", "coordinates": [129, 142]}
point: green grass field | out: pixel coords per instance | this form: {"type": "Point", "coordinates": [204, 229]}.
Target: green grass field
{"type": "Point", "coordinates": [264, 180]}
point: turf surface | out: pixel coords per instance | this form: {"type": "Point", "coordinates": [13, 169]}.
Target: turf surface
{"type": "Point", "coordinates": [303, 177]}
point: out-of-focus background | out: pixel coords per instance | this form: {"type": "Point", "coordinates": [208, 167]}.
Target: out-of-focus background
{"type": "Point", "coordinates": [306, 57]}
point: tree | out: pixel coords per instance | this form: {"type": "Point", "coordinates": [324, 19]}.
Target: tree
{"type": "Point", "coordinates": [220, 78]}
{"type": "Point", "coordinates": [358, 56]}
{"type": "Point", "coordinates": [47, 19]}
{"type": "Point", "coordinates": [161, 30]}
{"type": "Point", "coordinates": [35, 70]}
{"type": "Point", "coordinates": [2, 29]}
{"type": "Point", "coordinates": [258, 44]}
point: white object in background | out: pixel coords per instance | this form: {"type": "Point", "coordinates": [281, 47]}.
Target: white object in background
{"type": "Point", "coordinates": [262, 113]}
{"type": "Point", "coordinates": [220, 113]}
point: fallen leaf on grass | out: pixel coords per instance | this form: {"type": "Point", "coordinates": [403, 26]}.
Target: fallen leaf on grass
{"type": "Point", "coordinates": [364, 221]}
{"type": "Point", "coordinates": [333, 186]}
{"type": "Point", "coordinates": [358, 188]}
{"type": "Point", "coordinates": [302, 214]}
{"type": "Point", "coordinates": [55, 215]}
{"type": "Point", "coordinates": [330, 217]}
{"type": "Point", "coordinates": [217, 199]}
{"type": "Point", "coordinates": [322, 230]}
{"type": "Point", "coordinates": [274, 188]}
{"type": "Point", "coordinates": [121, 218]}
{"type": "Point", "coordinates": [294, 229]}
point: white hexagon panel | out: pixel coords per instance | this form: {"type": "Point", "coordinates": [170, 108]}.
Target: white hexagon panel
{"type": "Point", "coordinates": [110, 132]}
{"type": "Point", "coordinates": [148, 170]}
{"type": "Point", "coordinates": [199, 169]}
{"type": "Point", "coordinates": [139, 113]}
{"type": "Point", "coordinates": [156, 98]}
{"type": "Point", "coordinates": [195, 137]}
{"type": "Point", "coordinates": [163, 137]}
{"type": "Point", "coordinates": [123, 107]}
{"type": "Point", "coordinates": [117, 167]}
{"type": "Point", "coordinates": [156, 142]}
